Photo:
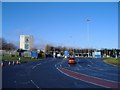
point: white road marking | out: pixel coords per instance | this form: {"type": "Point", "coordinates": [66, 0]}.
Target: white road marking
{"type": "Point", "coordinates": [34, 84]}
{"type": "Point", "coordinates": [68, 65]}
{"type": "Point", "coordinates": [90, 61]}
{"type": "Point", "coordinates": [33, 67]}
{"type": "Point", "coordinates": [36, 65]}
{"type": "Point", "coordinates": [88, 65]}
{"type": "Point", "coordinates": [82, 79]}
{"type": "Point", "coordinates": [92, 76]}
{"type": "Point", "coordinates": [79, 65]}
{"type": "Point", "coordinates": [39, 64]}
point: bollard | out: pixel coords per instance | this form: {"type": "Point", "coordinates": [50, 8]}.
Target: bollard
{"type": "Point", "coordinates": [17, 62]}
{"type": "Point", "coordinates": [1, 64]}
{"type": "Point", "coordinates": [13, 62]}
{"type": "Point", "coordinates": [9, 63]}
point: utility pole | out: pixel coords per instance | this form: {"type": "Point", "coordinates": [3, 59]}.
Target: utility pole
{"type": "Point", "coordinates": [88, 20]}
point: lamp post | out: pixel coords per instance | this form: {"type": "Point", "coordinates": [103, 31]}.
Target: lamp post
{"type": "Point", "coordinates": [88, 20]}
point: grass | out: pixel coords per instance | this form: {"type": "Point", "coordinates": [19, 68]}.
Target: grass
{"type": "Point", "coordinates": [113, 61]}
{"type": "Point", "coordinates": [17, 58]}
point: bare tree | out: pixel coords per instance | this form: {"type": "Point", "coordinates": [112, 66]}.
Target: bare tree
{"type": "Point", "coordinates": [6, 46]}
{"type": "Point", "coordinates": [47, 48]}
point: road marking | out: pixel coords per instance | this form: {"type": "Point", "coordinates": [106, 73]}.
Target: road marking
{"type": "Point", "coordinates": [92, 76]}
{"type": "Point", "coordinates": [88, 65]}
{"type": "Point", "coordinates": [68, 65]}
{"type": "Point", "coordinates": [39, 64]}
{"type": "Point", "coordinates": [34, 83]}
{"type": "Point", "coordinates": [79, 65]}
{"type": "Point", "coordinates": [90, 61]}
{"type": "Point", "coordinates": [84, 80]}
{"type": "Point", "coordinates": [33, 67]}
{"type": "Point", "coordinates": [96, 70]}
{"type": "Point", "coordinates": [78, 78]}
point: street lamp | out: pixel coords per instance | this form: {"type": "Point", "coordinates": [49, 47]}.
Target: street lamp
{"type": "Point", "coordinates": [88, 20]}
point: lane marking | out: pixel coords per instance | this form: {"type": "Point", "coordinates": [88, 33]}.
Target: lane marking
{"type": "Point", "coordinates": [55, 65]}
{"type": "Point", "coordinates": [92, 76]}
{"type": "Point", "coordinates": [39, 64]}
{"type": "Point", "coordinates": [79, 79]}
{"type": "Point", "coordinates": [82, 79]}
{"type": "Point", "coordinates": [79, 65]}
{"type": "Point", "coordinates": [90, 61]}
{"type": "Point", "coordinates": [33, 67]}
{"type": "Point", "coordinates": [34, 83]}
{"type": "Point", "coordinates": [96, 69]}
{"type": "Point", "coordinates": [89, 65]}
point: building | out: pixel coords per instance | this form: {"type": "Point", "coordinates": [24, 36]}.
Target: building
{"type": "Point", "coordinates": [26, 42]}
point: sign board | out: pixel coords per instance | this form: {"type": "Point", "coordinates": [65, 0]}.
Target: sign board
{"type": "Point", "coordinates": [34, 54]}
{"type": "Point", "coordinates": [66, 53]}
{"type": "Point", "coordinates": [97, 54]}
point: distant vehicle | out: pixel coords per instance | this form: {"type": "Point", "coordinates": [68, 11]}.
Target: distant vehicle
{"type": "Point", "coordinates": [76, 55]}
{"type": "Point", "coordinates": [59, 55]}
{"type": "Point", "coordinates": [72, 60]}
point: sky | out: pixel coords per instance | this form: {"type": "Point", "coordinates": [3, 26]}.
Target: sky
{"type": "Point", "coordinates": [62, 23]}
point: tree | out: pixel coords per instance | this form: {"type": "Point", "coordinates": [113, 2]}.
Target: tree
{"type": "Point", "coordinates": [6, 46]}
{"type": "Point", "coordinates": [47, 48]}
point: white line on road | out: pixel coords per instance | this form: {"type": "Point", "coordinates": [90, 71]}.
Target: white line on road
{"type": "Point", "coordinates": [68, 65]}
{"type": "Point", "coordinates": [92, 76]}
{"type": "Point", "coordinates": [33, 67]}
{"type": "Point", "coordinates": [79, 65]}
{"type": "Point", "coordinates": [81, 79]}
{"type": "Point", "coordinates": [39, 64]}
{"type": "Point", "coordinates": [34, 83]}
{"type": "Point", "coordinates": [88, 65]}
{"type": "Point", "coordinates": [36, 65]}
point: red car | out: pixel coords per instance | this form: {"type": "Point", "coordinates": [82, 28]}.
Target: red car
{"type": "Point", "coordinates": [72, 61]}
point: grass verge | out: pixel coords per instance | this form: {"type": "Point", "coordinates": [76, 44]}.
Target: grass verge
{"type": "Point", "coordinates": [113, 61]}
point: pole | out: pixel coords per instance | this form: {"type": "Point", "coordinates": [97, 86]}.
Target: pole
{"type": "Point", "coordinates": [88, 34]}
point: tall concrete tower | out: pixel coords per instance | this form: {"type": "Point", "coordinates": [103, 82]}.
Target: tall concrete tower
{"type": "Point", "coordinates": [26, 42]}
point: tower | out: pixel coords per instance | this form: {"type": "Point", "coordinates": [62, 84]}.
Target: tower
{"type": "Point", "coordinates": [26, 42]}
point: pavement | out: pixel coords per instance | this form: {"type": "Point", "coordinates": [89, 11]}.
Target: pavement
{"type": "Point", "coordinates": [45, 74]}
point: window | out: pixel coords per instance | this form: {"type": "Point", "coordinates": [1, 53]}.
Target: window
{"type": "Point", "coordinates": [26, 46]}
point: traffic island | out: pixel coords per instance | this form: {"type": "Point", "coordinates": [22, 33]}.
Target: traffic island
{"type": "Point", "coordinates": [113, 61]}
{"type": "Point", "coordinates": [90, 79]}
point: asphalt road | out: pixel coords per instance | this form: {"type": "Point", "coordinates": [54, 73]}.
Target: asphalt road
{"type": "Point", "coordinates": [44, 74]}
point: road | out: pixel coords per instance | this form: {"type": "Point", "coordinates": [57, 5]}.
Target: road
{"type": "Point", "coordinates": [46, 73]}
